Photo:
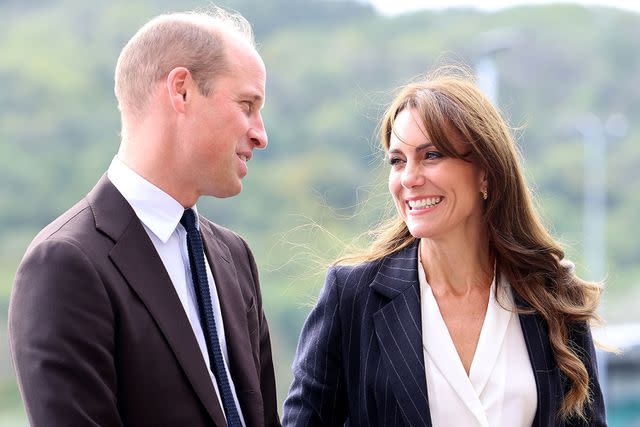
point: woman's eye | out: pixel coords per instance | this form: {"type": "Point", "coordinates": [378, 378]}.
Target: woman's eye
{"type": "Point", "coordinates": [393, 161]}
{"type": "Point", "coordinates": [432, 155]}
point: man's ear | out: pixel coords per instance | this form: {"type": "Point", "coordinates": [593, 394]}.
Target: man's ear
{"type": "Point", "coordinates": [179, 83]}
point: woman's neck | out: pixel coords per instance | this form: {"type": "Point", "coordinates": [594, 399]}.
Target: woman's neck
{"type": "Point", "coordinates": [456, 269]}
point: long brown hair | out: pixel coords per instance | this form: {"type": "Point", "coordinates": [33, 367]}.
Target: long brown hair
{"type": "Point", "coordinates": [525, 252]}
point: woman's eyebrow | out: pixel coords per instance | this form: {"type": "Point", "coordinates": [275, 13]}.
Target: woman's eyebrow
{"type": "Point", "coordinates": [425, 146]}
{"type": "Point", "coordinates": [418, 148]}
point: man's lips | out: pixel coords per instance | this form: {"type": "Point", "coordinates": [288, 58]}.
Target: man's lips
{"type": "Point", "coordinates": [245, 156]}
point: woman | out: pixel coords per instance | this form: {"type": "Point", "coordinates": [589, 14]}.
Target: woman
{"type": "Point", "coordinates": [462, 312]}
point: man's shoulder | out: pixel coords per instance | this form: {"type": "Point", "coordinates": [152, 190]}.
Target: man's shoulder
{"type": "Point", "coordinates": [225, 235]}
{"type": "Point", "coordinates": [65, 243]}
{"type": "Point", "coordinates": [71, 225]}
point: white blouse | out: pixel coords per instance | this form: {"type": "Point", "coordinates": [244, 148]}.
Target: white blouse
{"type": "Point", "coordinates": [500, 389]}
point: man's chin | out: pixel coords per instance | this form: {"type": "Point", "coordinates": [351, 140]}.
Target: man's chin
{"type": "Point", "coordinates": [227, 192]}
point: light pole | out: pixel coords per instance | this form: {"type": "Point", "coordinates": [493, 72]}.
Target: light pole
{"type": "Point", "coordinates": [591, 129]}
{"type": "Point", "coordinates": [490, 44]}
{"type": "Point", "coordinates": [594, 135]}
{"type": "Point", "coordinates": [487, 77]}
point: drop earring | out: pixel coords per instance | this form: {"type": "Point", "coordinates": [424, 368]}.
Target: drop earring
{"type": "Point", "coordinates": [485, 194]}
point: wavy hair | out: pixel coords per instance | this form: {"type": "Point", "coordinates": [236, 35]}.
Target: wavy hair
{"type": "Point", "coordinates": [526, 254]}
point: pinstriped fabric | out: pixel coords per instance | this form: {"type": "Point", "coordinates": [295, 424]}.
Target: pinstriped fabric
{"type": "Point", "coordinates": [580, 337]}
{"type": "Point", "coordinates": [207, 319]}
{"type": "Point", "coordinates": [343, 372]}
{"type": "Point", "coordinates": [359, 358]}
{"type": "Point", "coordinates": [399, 335]}
{"type": "Point", "coordinates": [536, 339]}
{"type": "Point", "coordinates": [550, 383]}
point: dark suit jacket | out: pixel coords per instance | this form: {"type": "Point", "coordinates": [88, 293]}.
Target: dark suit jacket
{"type": "Point", "coordinates": [360, 362]}
{"type": "Point", "coordinates": [98, 335]}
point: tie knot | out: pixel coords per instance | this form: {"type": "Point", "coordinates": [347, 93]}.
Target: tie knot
{"type": "Point", "coordinates": [188, 220]}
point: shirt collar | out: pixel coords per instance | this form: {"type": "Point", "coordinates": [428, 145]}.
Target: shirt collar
{"type": "Point", "coordinates": [157, 210]}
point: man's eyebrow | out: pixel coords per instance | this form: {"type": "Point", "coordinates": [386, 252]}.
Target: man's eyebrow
{"type": "Point", "coordinates": [249, 95]}
{"type": "Point", "coordinates": [255, 97]}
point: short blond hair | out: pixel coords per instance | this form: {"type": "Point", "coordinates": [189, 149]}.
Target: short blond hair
{"type": "Point", "coordinates": [194, 40]}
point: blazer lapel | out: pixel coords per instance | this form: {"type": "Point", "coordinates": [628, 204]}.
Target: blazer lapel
{"type": "Point", "coordinates": [398, 328]}
{"type": "Point", "coordinates": [136, 258]}
{"type": "Point", "coordinates": [234, 315]}
{"type": "Point", "coordinates": [536, 337]}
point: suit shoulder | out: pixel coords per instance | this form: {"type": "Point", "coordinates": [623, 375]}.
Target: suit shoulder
{"type": "Point", "coordinates": [352, 275]}
{"type": "Point", "coordinates": [221, 232]}
{"type": "Point", "coordinates": [229, 237]}
{"type": "Point", "coordinates": [70, 225]}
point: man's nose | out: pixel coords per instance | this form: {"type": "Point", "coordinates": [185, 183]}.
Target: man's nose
{"type": "Point", "coordinates": [258, 134]}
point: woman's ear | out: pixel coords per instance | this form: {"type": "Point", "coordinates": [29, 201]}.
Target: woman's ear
{"type": "Point", "coordinates": [484, 184]}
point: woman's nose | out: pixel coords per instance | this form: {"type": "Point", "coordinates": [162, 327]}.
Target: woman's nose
{"type": "Point", "coordinates": [412, 176]}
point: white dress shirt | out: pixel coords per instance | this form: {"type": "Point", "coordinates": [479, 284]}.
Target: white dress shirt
{"type": "Point", "coordinates": [160, 215]}
{"type": "Point", "coordinates": [500, 389]}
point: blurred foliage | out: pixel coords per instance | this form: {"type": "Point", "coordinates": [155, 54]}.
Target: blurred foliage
{"type": "Point", "coordinates": [332, 67]}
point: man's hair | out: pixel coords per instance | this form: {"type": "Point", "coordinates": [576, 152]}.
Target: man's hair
{"type": "Point", "coordinates": [193, 40]}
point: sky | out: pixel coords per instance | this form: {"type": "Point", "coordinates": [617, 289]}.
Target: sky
{"type": "Point", "coordinates": [393, 7]}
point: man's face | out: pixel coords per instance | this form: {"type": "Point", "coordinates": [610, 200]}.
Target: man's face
{"type": "Point", "coordinates": [224, 127]}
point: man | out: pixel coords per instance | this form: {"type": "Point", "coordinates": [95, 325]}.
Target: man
{"type": "Point", "coordinates": [116, 316]}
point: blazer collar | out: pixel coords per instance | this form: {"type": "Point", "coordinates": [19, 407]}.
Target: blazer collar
{"type": "Point", "coordinates": [135, 257]}
{"type": "Point", "coordinates": [399, 331]}
{"type": "Point", "coordinates": [398, 272]}
{"type": "Point", "coordinates": [111, 211]}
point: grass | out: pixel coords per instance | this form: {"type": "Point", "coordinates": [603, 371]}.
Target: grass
{"type": "Point", "coordinates": [12, 412]}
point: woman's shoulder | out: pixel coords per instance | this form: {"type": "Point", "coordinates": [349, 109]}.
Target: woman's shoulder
{"type": "Point", "coordinates": [350, 273]}
{"type": "Point", "coordinates": [346, 273]}
{"type": "Point", "coordinates": [350, 284]}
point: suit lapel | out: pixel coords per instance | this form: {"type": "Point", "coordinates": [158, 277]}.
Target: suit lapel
{"type": "Point", "coordinates": [398, 328]}
{"type": "Point", "coordinates": [234, 315]}
{"type": "Point", "coordinates": [136, 258]}
{"type": "Point", "coordinates": [536, 337]}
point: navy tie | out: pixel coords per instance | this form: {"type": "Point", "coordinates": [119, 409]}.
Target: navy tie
{"type": "Point", "coordinates": [205, 308]}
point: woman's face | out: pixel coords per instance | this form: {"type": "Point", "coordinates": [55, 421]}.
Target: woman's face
{"type": "Point", "coordinates": [436, 196]}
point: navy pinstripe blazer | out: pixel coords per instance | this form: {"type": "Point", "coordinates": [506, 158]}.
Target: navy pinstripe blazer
{"type": "Point", "coordinates": [359, 360]}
